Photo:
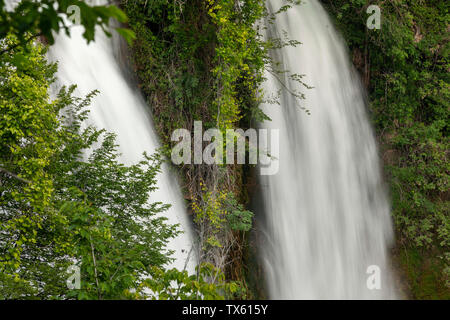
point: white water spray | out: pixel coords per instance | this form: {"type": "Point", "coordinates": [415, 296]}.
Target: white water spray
{"type": "Point", "coordinates": [326, 213]}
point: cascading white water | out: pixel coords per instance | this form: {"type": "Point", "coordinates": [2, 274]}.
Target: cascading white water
{"type": "Point", "coordinates": [119, 108]}
{"type": "Point", "coordinates": [326, 213]}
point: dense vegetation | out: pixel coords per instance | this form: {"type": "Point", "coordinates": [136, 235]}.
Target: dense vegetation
{"type": "Point", "coordinates": [32, 19]}
{"type": "Point", "coordinates": [61, 211]}
{"type": "Point", "coordinates": [405, 68]}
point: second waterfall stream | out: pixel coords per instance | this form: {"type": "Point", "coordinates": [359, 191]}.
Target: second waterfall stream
{"type": "Point", "coordinates": [327, 223]}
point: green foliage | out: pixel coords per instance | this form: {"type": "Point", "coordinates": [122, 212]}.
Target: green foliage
{"type": "Point", "coordinates": [172, 54]}
{"type": "Point", "coordinates": [61, 208]}
{"type": "Point", "coordinates": [240, 55]}
{"type": "Point", "coordinates": [205, 60]}
{"type": "Point", "coordinates": [405, 67]}
{"type": "Point", "coordinates": [116, 231]}
{"type": "Point", "coordinates": [418, 184]}
{"type": "Point", "coordinates": [31, 19]}
{"type": "Point", "coordinates": [207, 284]}
{"type": "Point", "coordinates": [424, 271]}
{"type": "Point", "coordinates": [238, 218]}
{"type": "Point", "coordinates": [28, 138]}
{"type": "Point", "coordinates": [217, 213]}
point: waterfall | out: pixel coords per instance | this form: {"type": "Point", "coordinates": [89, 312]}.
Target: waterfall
{"type": "Point", "coordinates": [120, 108]}
{"type": "Point", "coordinates": [327, 217]}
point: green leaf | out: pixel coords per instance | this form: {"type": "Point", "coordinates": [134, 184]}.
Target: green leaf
{"type": "Point", "coordinates": [127, 34]}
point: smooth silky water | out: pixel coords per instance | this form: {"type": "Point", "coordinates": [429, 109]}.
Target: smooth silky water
{"type": "Point", "coordinates": [327, 216]}
{"type": "Point", "coordinates": [120, 108]}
